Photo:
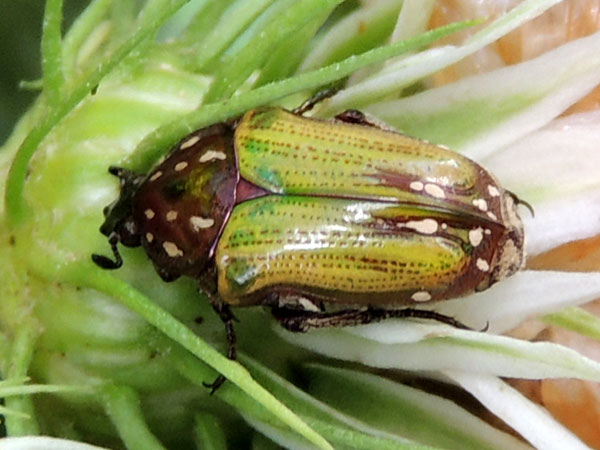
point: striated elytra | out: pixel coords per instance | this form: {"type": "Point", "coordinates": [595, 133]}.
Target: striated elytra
{"type": "Point", "coordinates": [329, 223]}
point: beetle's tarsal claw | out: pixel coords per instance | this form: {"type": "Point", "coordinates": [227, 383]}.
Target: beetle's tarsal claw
{"type": "Point", "coordinates": [104, 261]}
{"type": "Point", "coordinates": [215, 385]}
{"type": "Point", "coordinates": [519, 201]}
{"type": "Point", "coordinates": [316, 99]}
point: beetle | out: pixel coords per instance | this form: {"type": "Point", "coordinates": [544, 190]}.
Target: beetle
{"type": "Point", "coordinates": [329, 223]}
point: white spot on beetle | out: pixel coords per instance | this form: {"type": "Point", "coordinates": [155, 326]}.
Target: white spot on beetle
{"type": "Point", "coordinates": [199, 223]}
{"type": "Point", "coordinates": [421, 296]}
{"type": "Point", "coordinates": [149, 237]}
{"type": "Point", "coordinates": [191, 141]}
{"type": "Point", "coordinates": [156, 175]}
{"type": "Point", "coordinates": [171, 215]}
{"type": "Point", "coordinates": [476, 236]}
{"type": "Point", "coordinates": [492, 216]}
{"type": "Point", "coordinates": [488, 231]}
{"type": "Point", "coordinates": [307, 305]}
{"type": "Point", "coordinates": [149, 214]}
{"type": "Point", "coordinates": [416, 186]}
{"type": "Point", "coordinates": [483, 265]}
{"type": "Point", "coordinates": [444, 226]}
{"type": "Point", "coordinates": [211, 155]}
{"type": "Point", "coordinates": [494, 192]}
{"type": "Point", "coordinates": [435, 191]}
{"type": "Point", "coordinates": [425, 226]}
{"type": "Point", "coordinates": [180, 166]}
{"type": "Point", "coordinates": [172, 249]}
{"type": "Point", "coordinates": [480, 204]}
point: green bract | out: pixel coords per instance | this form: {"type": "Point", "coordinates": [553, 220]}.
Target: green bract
{"type": "Point", "coordinates": [118, 359]}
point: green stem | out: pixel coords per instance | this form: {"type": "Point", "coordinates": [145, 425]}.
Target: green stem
{"type": "Point", "coordinates": [53, 78]}
{"type": "Point", "coordinates": [86, 275]}
{"type": "Point", "coordinates": [157, 143]}
{"type": "Point", "coordinates": [23, 424]}
{"type": "Point", "coordinates": [123, 407]}
{"type": "Point", "coordinates": [16, 208]}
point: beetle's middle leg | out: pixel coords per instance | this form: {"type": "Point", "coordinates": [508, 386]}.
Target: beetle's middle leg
{"type": "Point", "coordinates": [301, 321]}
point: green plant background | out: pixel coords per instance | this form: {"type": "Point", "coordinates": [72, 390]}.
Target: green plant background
{"type": "Point", "coordinates": [20, 34]}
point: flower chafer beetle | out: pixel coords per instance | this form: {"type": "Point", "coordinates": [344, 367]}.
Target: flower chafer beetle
{"type": "Point", "coordinates": [329, 223]}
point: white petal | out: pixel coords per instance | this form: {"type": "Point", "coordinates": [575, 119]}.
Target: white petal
{"type": "Point", "coordinates": [530, 420]}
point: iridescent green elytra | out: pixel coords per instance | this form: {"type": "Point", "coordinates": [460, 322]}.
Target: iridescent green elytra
{"type": "Point", "coordinates": [356, 214]}
{"type": "Point", "coordinates": [300, 214]}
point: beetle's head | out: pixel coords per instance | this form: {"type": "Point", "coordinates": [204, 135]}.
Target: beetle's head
{"type": "Point", "coordinates": [119, 225]}
{"type": "Point", "coordinates": [510, 256]}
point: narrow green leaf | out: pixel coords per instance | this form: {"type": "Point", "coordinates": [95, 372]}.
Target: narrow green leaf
{"type": "Point", "coordinates": [11, 412]}
{"type": "Point", "coordinates": [53, 78]}
{"type": "Point", "coordinates": [576, 319]}
{"type": "Point", "coordinates": [16, 208]}
{"type": "Point", "coordinates": [392, 79]}
{"type": "Point", "coordinates": [157, 143]}
{"type": "Point", "coordinates": [80, 32]}
{"type": "Point", "coordinates": [122, 405]}
{"type": "Point", "coordinates": [23, 344]}
{"type": "Point", "coordinates": [29, 389]}
{"type": "Point", "coordinates": [87, 275]}
{"type": "Point", "coordinates": [208, 432]}
{"type": "Point", "coordinates": [375, 20]}
{"type": "Point", "coordinates": [233, 21]}
{"type": "Point", "coordinates": [236, 68]}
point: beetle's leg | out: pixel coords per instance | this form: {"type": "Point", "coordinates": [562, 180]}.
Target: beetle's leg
{"type": "Point", "coordinates": [301, 321]}
{"type": "Point", "coordinates": [227, 317]}
{"type": "Point", "coordinates": [104, 261]}
{"type": "Point", "coordinates": [315, 99]}
{"type": "Point", "coordinates": [356, 117]}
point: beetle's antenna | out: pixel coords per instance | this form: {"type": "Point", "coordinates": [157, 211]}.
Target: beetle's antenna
{"type": "Point", "coordinates": [104, 261]}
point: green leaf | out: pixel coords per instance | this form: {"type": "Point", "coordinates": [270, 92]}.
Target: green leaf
{"type": "Point", "coordinates": [53, 78]}
{"type": "Point", "coordinates": [89, 276]}
{"type": "Point", "coordinates": [157, 143]}
{"type": "Point", "coordinates": [393, 78]}
{"type": "Point", "coordinates": [576, 319]}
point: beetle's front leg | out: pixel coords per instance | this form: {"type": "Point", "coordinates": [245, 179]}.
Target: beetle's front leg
{"type": "Point", "coordinates": [302, 321]}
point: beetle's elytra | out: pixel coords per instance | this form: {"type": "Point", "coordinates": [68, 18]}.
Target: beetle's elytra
{"type": "Point", "coordinates": [304, 215]}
